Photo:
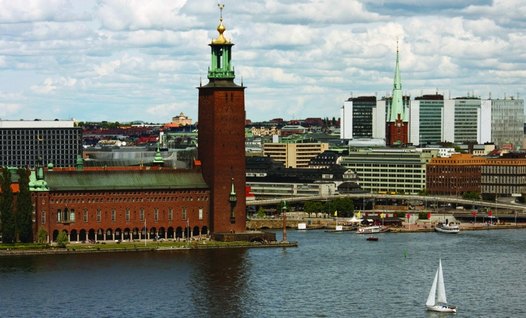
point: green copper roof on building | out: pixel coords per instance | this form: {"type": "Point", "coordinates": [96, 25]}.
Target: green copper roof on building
{"type": "Point", "coordinates": [221, 67]}
{"type": "Point", "coordinates": [397, 102]}
{"type": "Point", "coordinates": [124, 180]}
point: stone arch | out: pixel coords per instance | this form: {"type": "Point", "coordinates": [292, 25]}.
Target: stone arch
{"type": "Point", "coordinates": [91, 235]}
{"type": "Point", "coordinates": [153, 232]}
{"type": "Point", "coordinates": [108, 234]}
{"type": "Point", "coordinates": [161, 233]}
{"type": "Point", "coordinates": [73, 236]}
{"type": "Point", "coordinates": [118, 234]}
{"type": "Point", "coordinates": [126, 235]}
{"type": "Point", "coordinates": [55, 235]}
{"type": "Point", "coordinates": [100, 235]}
{"type": "Point", "coordinates": [135, 233]}
{"type": "Point", "coordinates": [179, 232]}
{"type": "Point", "coordinates": [82, 235]}
{"type": "Point", "coordinates": [204, 230]}
{"type": "Point", "coordinates": [170, 233]}
{"type": "Point", "coordinates": [195, 231]}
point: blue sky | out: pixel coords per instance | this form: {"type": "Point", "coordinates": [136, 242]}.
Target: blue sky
{"type": "Point", "coordinates": [124, 60]}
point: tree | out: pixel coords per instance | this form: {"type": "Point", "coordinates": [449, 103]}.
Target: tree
{"type": "Point", "coordinates": [62, 239]}
{"type": "Point", "coordinates": [42, 236]}
{"type": "Point", "coordinates": [6, 208]}
{"type": "Point", "coordinates": [471, 196]}
{"type": "Point", "coordinates": [24, 208]}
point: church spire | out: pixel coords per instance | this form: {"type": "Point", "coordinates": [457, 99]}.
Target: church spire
{"type": "Point", "coordinates": [397, 110]}
{"type": "Point", "coordinates": [221, 67]}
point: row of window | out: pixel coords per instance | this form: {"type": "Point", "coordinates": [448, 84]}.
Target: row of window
{"type": "Point", "coordinates": [70, 215]}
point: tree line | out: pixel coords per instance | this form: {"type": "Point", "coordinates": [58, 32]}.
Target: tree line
{"type": "Point", "coordinates": [16, 217]}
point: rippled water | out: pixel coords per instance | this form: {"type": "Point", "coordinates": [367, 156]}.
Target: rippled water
{"type": "Point", "coordinates": [328, 275]}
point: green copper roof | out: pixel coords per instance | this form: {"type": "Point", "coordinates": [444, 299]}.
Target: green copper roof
{"type": "Point", "coordinates": [221, 67]}
{"type": "Point", "coordinates": [397, 102]}
{"type": "Point", "coordinates": [124, 180]}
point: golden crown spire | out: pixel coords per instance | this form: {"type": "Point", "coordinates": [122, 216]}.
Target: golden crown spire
{"type": "Point", "coordinates": [220, 28]}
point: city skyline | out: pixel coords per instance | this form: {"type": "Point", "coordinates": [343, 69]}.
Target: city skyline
{"type": "Point", "coordinates": [131, 60]}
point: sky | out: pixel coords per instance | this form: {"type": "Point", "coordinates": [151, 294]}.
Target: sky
{"type": "Point", "coordinates": [126, 60]}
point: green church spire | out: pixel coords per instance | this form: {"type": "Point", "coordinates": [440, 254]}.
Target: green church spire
{"type": "Point", "coordinates": [397, 102]}
{"type": "Point", "coordinates": [221, 67]}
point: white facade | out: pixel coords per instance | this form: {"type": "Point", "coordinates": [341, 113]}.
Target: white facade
{"type": "Point", "coordinates": [379, 120]}
{"type": "Point", "coordinates": [346, 120]}
{"type": "Point", "coordinates": [414, 122]}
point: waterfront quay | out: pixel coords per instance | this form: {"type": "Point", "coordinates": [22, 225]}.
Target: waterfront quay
{"type": "Point", "coordinates": [468, 223]}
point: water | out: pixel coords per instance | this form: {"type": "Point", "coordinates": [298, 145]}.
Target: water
{"type": "Point", "coordinates": [328, 275]}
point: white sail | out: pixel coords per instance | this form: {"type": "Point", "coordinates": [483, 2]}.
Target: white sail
{"type": "Point", "coordinates": [441, 288]}
{"type": "Point", "coordinates": [432, 293]}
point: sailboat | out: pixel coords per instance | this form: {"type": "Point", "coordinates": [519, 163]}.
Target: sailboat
{"type": "Point", "coordinates": [436, 301]}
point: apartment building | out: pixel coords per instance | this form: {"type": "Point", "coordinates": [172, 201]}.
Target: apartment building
{"type": "Point", "coordinates": [294, 155]}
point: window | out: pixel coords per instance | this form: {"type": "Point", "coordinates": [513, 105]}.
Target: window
{"type": "Point", "coordinates": [85, 216]}
{"type": "Point", "coordinates": [156, 214]}
{"type": "Point", "coordinates": [113, 215]}
{"type": "Point", "coordinates": [72, 215]}
{"type": "Point", "coordinates": [59, 216]}
{"type": "Point", "coordinates": [200, 213]}
{"type": "Point", "coordinates": [127, 214]}
{"type": "Point", "coordinates": [184, 213]}
{"type": "Point", "coordinates": [141, 214]}
{"type": "Point", "coordinates": [43, 217]}
{"type": "Point", "coordinates": [99, 215]}
{"type": "Point", "coordinates": [170, 214]}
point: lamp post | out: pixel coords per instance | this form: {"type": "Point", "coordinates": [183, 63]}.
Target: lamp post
{"type": "Point", "coordinates": [284, 216]}
{"type": "Point", "coordinates": [496, 207]}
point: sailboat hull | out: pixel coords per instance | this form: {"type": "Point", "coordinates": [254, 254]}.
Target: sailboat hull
{"type": "Point", "coordinates": [442, 308]}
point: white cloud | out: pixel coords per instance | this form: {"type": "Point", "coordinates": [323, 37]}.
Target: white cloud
{"type": "Point", "coordinates": [300, 56]}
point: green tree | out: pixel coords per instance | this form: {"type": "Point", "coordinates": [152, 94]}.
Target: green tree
{"type": "Point", "coordinates": [24, 208]}
{"type": "Point", "coordinates": [313, 206]}
{"type": "Point", "coordinates": [471, 196]}
{"type": "Point", "coordinates": [6, 208]}
{"type": "Point", "coordinates": [42, 236]}
{"type": "Point", "coordinates": [62, 239]}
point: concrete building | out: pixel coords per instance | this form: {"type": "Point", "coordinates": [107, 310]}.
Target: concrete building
{"type": "Point", "coordinates": [507, 122]}
{"type": "Point", "coordinates": [504, 177]}
{"type": "Point", "coordinates": [467, 120]}
{"type": "Point", "coordinates": [23, 143]}
{"type": "Point", "coordinates": [389, 170]}
{"type": "Point", "coordinates": [294, 155]}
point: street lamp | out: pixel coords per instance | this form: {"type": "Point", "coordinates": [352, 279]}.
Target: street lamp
{"type": "Point", "coordinates": [496, 206]}
{"type": "Point", "coordinates": [284, 215]}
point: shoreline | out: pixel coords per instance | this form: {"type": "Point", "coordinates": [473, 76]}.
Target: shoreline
{"type": "Point", "coordinates": [133, 247]}
{"type": "Point", "coordinates": [125, 247]}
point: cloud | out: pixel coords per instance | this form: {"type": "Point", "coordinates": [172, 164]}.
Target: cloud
{"type": "Point", "coordinates": [82, 58]}
{"type": "Point", "coordinates": [119, 15]}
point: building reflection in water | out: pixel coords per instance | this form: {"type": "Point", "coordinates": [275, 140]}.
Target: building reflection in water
{"type": "Point", "coordinates": [220, 283]}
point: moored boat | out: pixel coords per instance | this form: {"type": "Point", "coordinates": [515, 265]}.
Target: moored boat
{"type": "Point", "coordinates": [450, 228]}
{"type": "Point", "coordinates": [372, 229]}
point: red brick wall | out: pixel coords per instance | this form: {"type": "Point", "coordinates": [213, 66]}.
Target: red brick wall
{"type": "Point", "coordinates": [221, 140]}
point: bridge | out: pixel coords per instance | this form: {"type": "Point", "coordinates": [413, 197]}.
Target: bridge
{"type": "Point", "coordinates": [424, 198]}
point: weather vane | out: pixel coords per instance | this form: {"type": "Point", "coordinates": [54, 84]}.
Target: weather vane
{"type": "Point", "coordinates": [221, 6]}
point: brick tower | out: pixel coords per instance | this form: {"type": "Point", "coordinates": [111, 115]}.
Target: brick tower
{"type": "Point", "coordinates": [221, 138]}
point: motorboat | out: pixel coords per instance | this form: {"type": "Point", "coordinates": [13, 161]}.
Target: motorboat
{"type": "Point", "coordinates": [450, 228]}
{"type": "Point", "coordinates": [372, 238]}
{"type": "Point", "coordinates": [372, 229]}
{"type": "Point", "coordinates": [436, 300]}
